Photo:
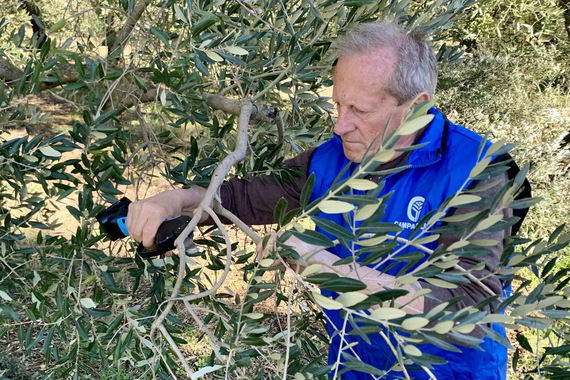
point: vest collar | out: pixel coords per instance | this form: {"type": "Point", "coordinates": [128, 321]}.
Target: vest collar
{"type": "Point", "coordinates": [434, 137]}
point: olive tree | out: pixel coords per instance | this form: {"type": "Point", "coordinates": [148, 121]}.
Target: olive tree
{"type": "Point", "coordinates": [188, 93]}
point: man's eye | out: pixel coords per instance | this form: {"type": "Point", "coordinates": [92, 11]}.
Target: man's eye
{"type": "Point", "coordinates": [357, 110]}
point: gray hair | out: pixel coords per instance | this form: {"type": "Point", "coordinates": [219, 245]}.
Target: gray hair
{"type": "Point", "coordinates": [416, 69]}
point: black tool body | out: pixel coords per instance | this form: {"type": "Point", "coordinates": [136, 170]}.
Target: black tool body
{"type": "Point", "coordinates": [113, 222]}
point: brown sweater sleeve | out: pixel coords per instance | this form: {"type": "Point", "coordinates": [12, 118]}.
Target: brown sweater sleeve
{"type": "Point", "coordinates": [472, 293]}
{"type": "Point", "coordinates": [254, 200]}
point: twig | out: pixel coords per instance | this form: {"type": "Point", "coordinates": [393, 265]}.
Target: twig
{"type": "Point", "coordinates": [269, 86]}
{"type": "Point", "coordinates": [175, 348]}
{"type": "Point", "coordinates": [288, 335]}
{"type": "Point", "coordinates": [144, 131]}
{"type": "Point", "coordinates": [343, 340]}
{"type": "Point", "coordinates": [203, 327]}
{"type": "Point", "coordinates": [221, 211]}
{"type": "Point", "coordinates": [457, 267]}
{"type": "Point", "coordinates": [391, 346]}
{"type": "Point", "coordinates": [133, 154]}
{"type": "Point", "coordinates": [420, 247]}
{"type": "Point", "coordinates": [254, 77]}
{"type": "Point", "coordinates": [227, 267]}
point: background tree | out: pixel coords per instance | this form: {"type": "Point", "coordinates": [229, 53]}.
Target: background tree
{"type": "Point", "coordinates": [159, 94]}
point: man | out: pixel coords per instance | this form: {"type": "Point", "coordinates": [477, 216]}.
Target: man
{"type": "Point", "coordinates": [381, 73]}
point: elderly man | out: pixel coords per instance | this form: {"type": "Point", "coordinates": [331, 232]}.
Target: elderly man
{"type": "Point", "coordinates": [381, 72]}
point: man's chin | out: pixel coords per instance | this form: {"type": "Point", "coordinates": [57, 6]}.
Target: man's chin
{"type": "Point", "coordinates": [353, 156]}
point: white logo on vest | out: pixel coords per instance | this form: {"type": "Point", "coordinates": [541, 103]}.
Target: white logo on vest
{"type": "Point", "coordinates": [415, 207]}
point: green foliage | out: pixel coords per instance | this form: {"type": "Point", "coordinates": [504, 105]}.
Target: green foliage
{"type": "Point", "coordinates": [532, 111]}
{"type": "Point", "coordinates": [537, 307]}
{"type": "Point", "coordinates": [510, 26]}
{"type": "Point", "coordinates": [81, 306]}
{"type": "Point", "coordinates": [519, 50]}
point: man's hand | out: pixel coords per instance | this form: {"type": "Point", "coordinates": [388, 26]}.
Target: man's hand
{"type": "Point", "coordinates": [375, 281]}
{"type": "Point", "coordinates": [145, 216]}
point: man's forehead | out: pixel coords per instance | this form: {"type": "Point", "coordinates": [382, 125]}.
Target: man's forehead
{"type": "Point", "coordinates": [376, 61]}
{"type": "Point", "coordinates": [370, 70]}
{"type": "Point", "coordinates": [373, 53]}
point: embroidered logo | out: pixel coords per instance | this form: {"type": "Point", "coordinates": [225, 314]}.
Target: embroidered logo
{"type": "Point", "coordinates": [415, 207]}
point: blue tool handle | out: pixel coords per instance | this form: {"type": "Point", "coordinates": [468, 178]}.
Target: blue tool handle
{"type": "Point", "coordinates": [122, 223]}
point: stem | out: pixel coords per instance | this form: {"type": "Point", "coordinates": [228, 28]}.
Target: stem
{"type": "Point", "coordinates": [255, 77]}
{"type": "Point", "coordinates": [204, 328]}
{"type": "Point", "coordinates": [342, 333]}
{"type": "Point", "coordinates": [227, 267]}
{"type": "Point", "coordinates": [270, 86]}
{"type": "Point", "coordinates": [288, 336]}
{"type": "Point", "coordinates": [395, 352]}
{"type": "Point", "coordinates": [427, 263]}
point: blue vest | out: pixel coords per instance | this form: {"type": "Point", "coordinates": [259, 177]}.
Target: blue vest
{"type": "Point", "coordinates": [435, 172]}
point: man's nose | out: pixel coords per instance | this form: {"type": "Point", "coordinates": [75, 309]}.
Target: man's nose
{"type": "Point", "coordinates": [343, 124]}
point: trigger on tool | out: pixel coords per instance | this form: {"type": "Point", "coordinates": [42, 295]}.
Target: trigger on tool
{"type": "Point", "coordinates": [170, 229]}
{"type": "Point", "coordinates": [167, 233]}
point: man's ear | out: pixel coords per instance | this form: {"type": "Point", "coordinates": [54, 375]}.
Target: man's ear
{"type": "Point", "coordinates": [420, 98]}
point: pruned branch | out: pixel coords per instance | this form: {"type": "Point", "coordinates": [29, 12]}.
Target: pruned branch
{"type": "Point", "coordinates": [260, 112]}
{"type": "Point", "coordinates": [218, 177]}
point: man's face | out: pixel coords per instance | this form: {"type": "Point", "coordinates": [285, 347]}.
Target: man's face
{"type": "Point", "coordinates": [366, 112]}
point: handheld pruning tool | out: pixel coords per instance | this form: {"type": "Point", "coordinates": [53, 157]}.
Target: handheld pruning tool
{"type": "Point", "coordinates": [113, 222]}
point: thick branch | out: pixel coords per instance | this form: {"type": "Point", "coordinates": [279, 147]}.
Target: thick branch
{"type": "Point", "coordinates": [8, 72]}
{"type": "Point", "coordinates": [260, 112]}
{"type": "Point", "coordinates": [127, 28]}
